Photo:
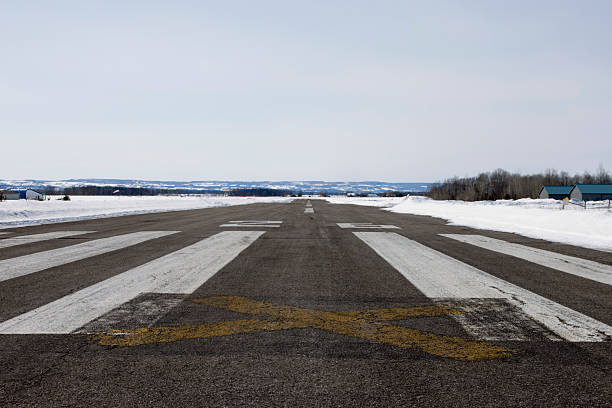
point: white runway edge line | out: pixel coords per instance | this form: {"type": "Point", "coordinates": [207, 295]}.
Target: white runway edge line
{"type": "Point", "coordinates": [182, 271]}
{"type": "Point", "coordinates": [365, 225]}
{"type": "Point", "coordinates": [252, 224]}
{"type": "Point", "coordinates": [29, 239]}
{"type": "Point", "coordinates": [27, 264]}
{"type": "Point", "coordinates": [440, 276]}
{"type": "Point", "coordinates": [569, 264]}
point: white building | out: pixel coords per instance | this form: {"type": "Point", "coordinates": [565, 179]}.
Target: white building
{"type": "Point", "coordinates": [33, 195]}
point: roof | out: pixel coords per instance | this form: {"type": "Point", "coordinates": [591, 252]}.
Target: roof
{"type": "Point", "coordinates": [595, 188]}
{"type": "Point", "coordinates": [22, 189]}
{"type": "Point", "coordinates": [558, 189]}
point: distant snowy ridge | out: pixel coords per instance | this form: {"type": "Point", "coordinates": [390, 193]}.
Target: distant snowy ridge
{"type": "Point", "coordinates": [330, 187]}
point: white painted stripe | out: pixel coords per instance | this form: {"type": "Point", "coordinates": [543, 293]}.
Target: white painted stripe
{"type": "Point", "coordinates": [439, 276]}
{"type": "Point", "coordinates": [182, 271]}
{"type": "Point", "coordinates": [251, 224]}
{"type": "Point", "coordinates": [29, 239]}
{"type": "Point", "coordinates": [248, 226]}
{"type": "Point", "coordinates": [365, 225]}
{"type": "Point", "coordinates": [257, 222]}
{"type": "Point", "coordinates": [27, 264]}
{"type": "Point", "coordinates": [142, 311]}
{"type": "Point", "coordinates": [569, 264]}
{"type": "Point", "coordinates": [309, 210]}
{"type": "Point", "coordinates": [497, 320]}
{"type": "Point", "coordinates": [4, 233]}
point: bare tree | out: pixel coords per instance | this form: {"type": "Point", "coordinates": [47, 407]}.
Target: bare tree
{"type": "Point", "coordinates": [500, 184]}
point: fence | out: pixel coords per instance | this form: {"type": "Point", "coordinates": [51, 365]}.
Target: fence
{"type": "Point", "coordinates": [585, 204]}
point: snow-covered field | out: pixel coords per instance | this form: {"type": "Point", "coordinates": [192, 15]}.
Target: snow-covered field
{"type": "Point", "coordinates": [22, 212]}
{"type": "Point", "coordinates": [544, 219]}
{"type": "Point", "coordinates": [369, 201]}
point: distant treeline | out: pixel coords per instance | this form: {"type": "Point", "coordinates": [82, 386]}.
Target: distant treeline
{"type": "Point", "coordinates": [500, 184]}
{"type": "Point", "coordinates": [137, 191]}
{"type": "Point", "coordinates": [131, 191]}
{"type": "Point", "coordinates": [252, 192]}
{"type": "Point", "coordinates": [259, 192]}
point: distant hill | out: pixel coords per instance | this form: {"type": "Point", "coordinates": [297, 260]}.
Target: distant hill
{"type": "Point", "coordinates": [329, 187]}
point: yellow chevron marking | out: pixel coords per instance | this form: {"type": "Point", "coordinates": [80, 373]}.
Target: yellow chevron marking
{"type": "Point", "coordinates": [364, 324]}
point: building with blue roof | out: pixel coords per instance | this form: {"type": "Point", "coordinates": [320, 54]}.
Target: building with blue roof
{"type": "Point", "coordinates": [591, 192]}
{"type": "Point", "coordinates": [556, 192]}
{"type": "Point", "coordinates": [21, 194]}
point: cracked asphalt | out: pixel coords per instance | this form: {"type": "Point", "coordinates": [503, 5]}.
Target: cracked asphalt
{"type": "Point", "coordinates": [308, 263]}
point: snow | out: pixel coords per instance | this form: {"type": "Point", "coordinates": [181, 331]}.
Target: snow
{"type": "Point", "coordinates": [369, 201]}
{"type": "Point", "coordinates": [550, 220]}
{"type": "Point", "coordinates": [30, 212]}
{"type": "Point", "coordinates": [543, 219]}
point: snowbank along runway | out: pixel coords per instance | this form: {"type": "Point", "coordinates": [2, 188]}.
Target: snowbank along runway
{"type": "Point", "coordinates": [272, 303]}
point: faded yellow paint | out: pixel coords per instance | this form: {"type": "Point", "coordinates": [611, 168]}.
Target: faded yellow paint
{"type": "Point", "coordinates": [364, 324]}
{"type": "Point", "coordinates": [137, 337]}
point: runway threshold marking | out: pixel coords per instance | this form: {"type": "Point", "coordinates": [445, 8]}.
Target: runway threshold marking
{"type": "Point", "coordinates": [440, 276]}
{"type": "Point", "coordinates": [497, 320]}
{"type": "Point", "coordinates": [365, 225]}
{"type": "Point", "coordinates": [142, 311]}
{"type": "Point", "coordinates": [182, 271]}
{"type": "Point", "coordinates": [576, 266]}
{"type": "Point", "coordinates": [252, 224]}
{"type": "Point", "coordinates": [27, 264]}
{"type": "Point", "coordinates": [29, 239]}
{"type": "Point", "coordinates": [364, 324]}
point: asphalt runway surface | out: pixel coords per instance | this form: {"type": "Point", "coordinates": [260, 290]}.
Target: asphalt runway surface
{"type": "Point", "coordinates": [299, 304]}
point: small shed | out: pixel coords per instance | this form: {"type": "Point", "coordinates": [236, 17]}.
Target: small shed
{"type": "Point", "coordinates": [591, 192]}
{"type": "Point", "coordinates": [556, 192]}
{"type": "Point", "coordinates": [9, 195]}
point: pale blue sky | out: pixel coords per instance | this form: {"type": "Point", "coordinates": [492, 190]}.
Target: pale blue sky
{"type": "Point", "coordinates": [329, 90]}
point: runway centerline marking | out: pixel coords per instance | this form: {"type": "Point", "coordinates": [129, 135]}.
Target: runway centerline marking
{"type": "Point", "coordinates": [182, 271]}
{"type": "Point", "coordinates": [438, 275]}
{"type": "Point", "coordinates": [29, 239]}
{"type": "Point", "coordinates": [365, 225]}
{"type": "Point", "coordinates": [252, 224]}
{"type": "Point", "coordinates": [363, 324]}
{"type": "Point", "coordinates": [576, 266]}
{"type": "Point", "coordinates": [308, 210]}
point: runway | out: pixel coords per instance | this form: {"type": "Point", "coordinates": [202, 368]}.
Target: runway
{"type": "Point", "coordinates": [299, 304]}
